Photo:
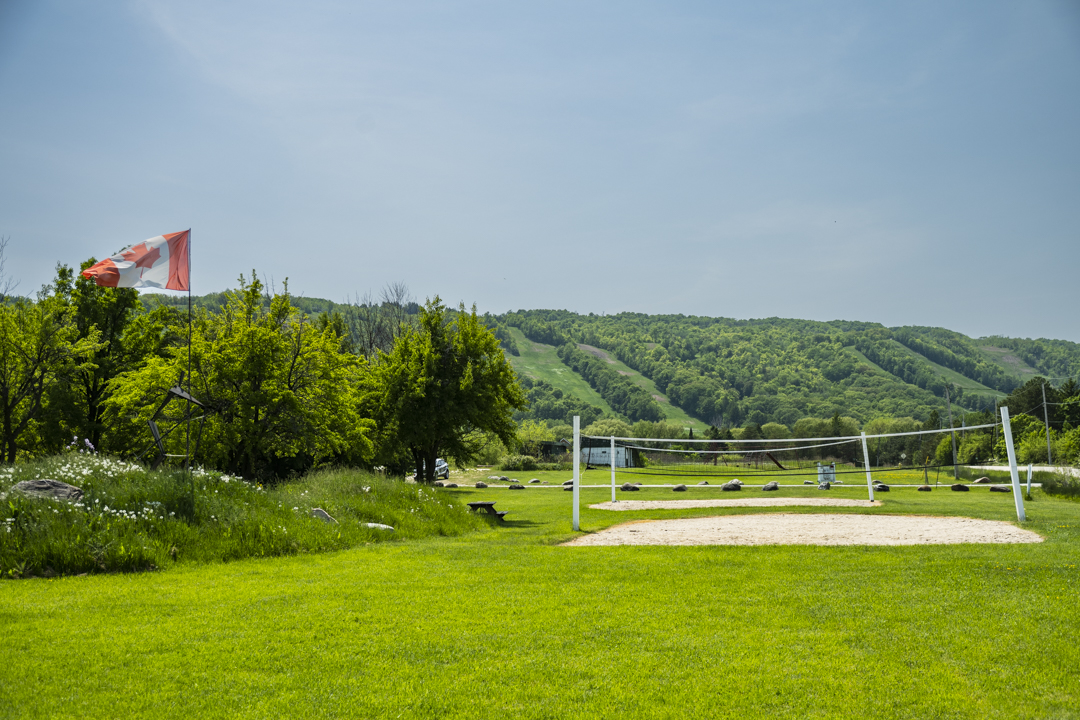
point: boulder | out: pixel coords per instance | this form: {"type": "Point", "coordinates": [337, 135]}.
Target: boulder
{"type": "Point", "coordinates": [503, 478]}
{"type": "Point", "coordinates": [703, 482]}
{"type": "Point", "coordinates": [737, 481]}
{"type": "Point", "coordinates": [628, 487]}
{"type": "Point", "coordinates": [322, 515]}
{"type": "Point", "coordinates": [925, 488]}
{"type": "Point", "coordinates": [438, 483]}
{"type": "Point", "coordinates": [568, 488]}
{"type": "Point", "coordinates": [983, 480]}
{"type": "Point", "coordinates": [824, 486]}
{"type": "Point", "coordinates": [516, 486]}
{"type": "Point", "coordinates": [379, 526]}
{"type": "Point", "coordinates": [679, 488]}
{"type": "Point", "coordinates": [881, 488]}
{"type": "Point", "coordinates": [807, 482]}
{"type": "Point", "coordinates": [534, 481]}
{"type": "Point", "coordinates": [569, 482]}
{"type": "Point", "coordinates": [1000, 488]}
{"type": "Point", "coordinates": [770, 486]}
{"type": "Point", "coordinates": [729, 486]}
{"type": "Point", "coordinates": [493, 477]}
{"type": "Point", "coordinates": [48, 488]}
{"type": "Point", "coordinates": [958, 487]}
{"type": "Point", "coordinates": [481, 484]}
{"type": "Point", "coordinates": [450, 485]}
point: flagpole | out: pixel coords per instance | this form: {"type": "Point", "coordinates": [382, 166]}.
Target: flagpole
{"type": "Point", "coordinates": [187, 453]}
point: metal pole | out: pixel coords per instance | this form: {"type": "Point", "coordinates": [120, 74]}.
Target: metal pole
{"type": "Point", "coordinates": [1046, 419]}
{"type": "Point", "coordinates": [1006, 429]}
{"type": "Point", "coordinates": [866, 462]}
{"type": "Point", "coordinates": [613, 469]}
{"type": "Point", "coordinates": [952, 432]}
{"type": "Point", "coordinates": [1029, 481]}
{"type": "Point", "coordinates": [577, 471]}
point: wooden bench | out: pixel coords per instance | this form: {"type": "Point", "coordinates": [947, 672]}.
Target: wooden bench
{"type": "Point", "coordinates": [487, 507]}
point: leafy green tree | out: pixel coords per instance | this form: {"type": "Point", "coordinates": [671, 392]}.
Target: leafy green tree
{"type": "Point", "coordinates": [443, 385]}
{"type": "Point", "coordinates": [127, 337]}
{"type": "Point", "coordinates": [39, 348]}
{"type": "Point", "coordinates": [530, 434]}
{"type": "Point", "coordinates": [608, 427]}
{"type": "Point", "coordinates": [283, 396]}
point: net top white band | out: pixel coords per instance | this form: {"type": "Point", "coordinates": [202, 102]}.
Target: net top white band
{"type": "Point", "coordinates": [791, 440]}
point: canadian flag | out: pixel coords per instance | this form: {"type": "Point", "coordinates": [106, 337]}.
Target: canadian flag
{"type": "Point", "coordinates": [160, 262]}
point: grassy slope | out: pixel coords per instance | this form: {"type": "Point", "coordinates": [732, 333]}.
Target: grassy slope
{"type": "Point", "coordinates": [1008, 360]}
{"type": "Point", "coordinates": [970, 386]}
{"type": "Point", "coordinates": [503, 623]}
{"type": "Point", "coordinates": [672, 412]}
{"type": "Point", "coordinates": [540, 362]}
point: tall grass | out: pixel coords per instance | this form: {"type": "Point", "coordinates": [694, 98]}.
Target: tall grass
{"type": "Point", "coordinates": [131, 518]}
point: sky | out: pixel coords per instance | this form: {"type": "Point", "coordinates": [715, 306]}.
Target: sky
{"type": "Point", "coordinates": [908, 163]}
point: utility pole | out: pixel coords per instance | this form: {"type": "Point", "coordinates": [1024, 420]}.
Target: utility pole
{"type": "Point", "coordinates": [952, 432]}
{"type": "Point", "coordinates": [1046, 420]}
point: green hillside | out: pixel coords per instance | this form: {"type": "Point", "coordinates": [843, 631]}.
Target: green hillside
{"type": "Point", "coordinates": [539, 362]}
{"type": "Point", "coordinates": [728, 372]}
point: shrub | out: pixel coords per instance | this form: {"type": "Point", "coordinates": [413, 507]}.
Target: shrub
{"type": "Point", "coordinates": [1061, 484]}
{"type": "Point", "coordinates": [519, 463]}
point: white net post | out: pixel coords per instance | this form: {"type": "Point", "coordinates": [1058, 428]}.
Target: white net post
{"type": "Point", "coordinates": [866, 463]}
{"type": "Point", "coordinates": [613, 469]}
{"type": "Point", "coordinates": [577, 471]}
{"type": "Point", "coordinates": [1006, 428]}
{"type": "Point", "coordinates": [1029, 481]}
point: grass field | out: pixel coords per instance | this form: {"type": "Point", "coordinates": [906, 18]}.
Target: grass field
{"type": "Point", "coordinates": [672, 413]}
{"type": "Point", "coordinates": [504, 622]}
{"type": "Point", "coordinates": [541, 362]}
{"type": "Point", "coordinates": [971, 387]}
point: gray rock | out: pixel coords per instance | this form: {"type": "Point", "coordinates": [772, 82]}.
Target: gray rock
{"type": "Point", "coordinates": [569, 482]}
{"type": "Point", "coordinates": [770, 486]}
{"type": "Point", "coordinates": [48, 488]}
{"type": "Point", "coordinates": [925, 488]}
{"type": "Point", "coordinates": [628, 487]}
{"type": "Point", "coordinates": [438, 483]}
{"type": "Point", "coordinates": [379, 526]}
{"type": "Point", "coordinates": [703, 482]}
{"type": "Point", "coordinates": [999, 488]}
{"type": "Point", "coordinates": [959, 488]}
{"type": "Point", "coordinates": [493, 477]}
{"type": "Point", "coordinates": [807, 482]}
{"type": "Point", "coordinates": [730, 486]}
{"type": "Point", "coordinates": [449, 485]}
{"type": "Point", "coordinates": [322, 515]}
{"type": "Point", "coordinates": [881, 488]}
{"type": "Point", "coordinates": [824, 486]}
{"type": "Point", "coordinates": [515, 486]}
{"type": "Point", "coordinates": [568, 488]}
{"type": "Point", "coordinates": [503, 478]}
{"type": "Point", "coordinates": [983, 480]}
{"type": "Point", "coordinates": [481, 484]}
{"type": "Point", "coordinates": [679, 488]}
{"type": "Point", "coordinates": [534, 481]}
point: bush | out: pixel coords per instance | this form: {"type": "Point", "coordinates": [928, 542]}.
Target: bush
{"type": "Point", "coordinates": [1061, 484]}
{"type": "Point", "coordinates": [519, 463]}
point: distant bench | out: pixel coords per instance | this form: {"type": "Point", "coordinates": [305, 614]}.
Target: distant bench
{"type": "Point", "coordinates": [487, 507]}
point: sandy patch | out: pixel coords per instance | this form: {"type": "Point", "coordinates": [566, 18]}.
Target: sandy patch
{"type": "Point", "coordinates": [818, 529]}
{"type": "Point", "coordinates": [624, 505]}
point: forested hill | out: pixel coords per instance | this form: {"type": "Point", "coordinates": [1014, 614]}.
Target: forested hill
{"type": "Point", "coordinates": [728, 372]}
{"type": "Point", "coordinates": [720, 371]}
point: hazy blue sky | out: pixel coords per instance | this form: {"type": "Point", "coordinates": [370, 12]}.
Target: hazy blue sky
{"type": "Point", "coordinates": [907, 163]}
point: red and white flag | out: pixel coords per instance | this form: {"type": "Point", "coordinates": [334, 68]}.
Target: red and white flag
{"type": "Point", "coordinates": [160, 262]}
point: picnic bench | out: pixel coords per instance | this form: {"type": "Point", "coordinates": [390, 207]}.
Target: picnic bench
{"type": "Point", "coordinates": [487, 506]}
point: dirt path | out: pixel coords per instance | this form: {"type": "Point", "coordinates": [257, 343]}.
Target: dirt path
{"type": "Point", "coordinates": [814, 529]}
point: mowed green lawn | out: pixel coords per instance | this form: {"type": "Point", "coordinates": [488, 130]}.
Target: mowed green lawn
{"type": "Point", "coordinates": [507, 623]}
